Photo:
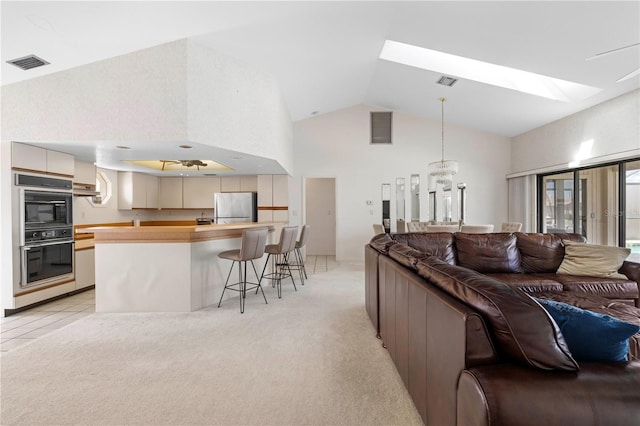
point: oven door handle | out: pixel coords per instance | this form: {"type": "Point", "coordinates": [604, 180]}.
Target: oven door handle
{"type": "Point", "coordinates": [23, 265]}
{"type": "Point", "coordinates": [52, 243]}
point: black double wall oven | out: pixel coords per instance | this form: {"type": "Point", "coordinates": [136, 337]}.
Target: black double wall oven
{"type": "Point", "coordinates": [46, 226]}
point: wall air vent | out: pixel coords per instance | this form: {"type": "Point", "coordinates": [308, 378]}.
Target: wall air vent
{"type": "Point", "coordinates": [447, 81]}
{"type": "Point", "coordinates": [28, 62]}
{"type": "Point", "coordinates": [381, 127]}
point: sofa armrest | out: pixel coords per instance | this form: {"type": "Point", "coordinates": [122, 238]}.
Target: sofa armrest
{"type": "Point", "coordinates": [632, 271]}
{"type": "Point", "coordinates": [507, 394]}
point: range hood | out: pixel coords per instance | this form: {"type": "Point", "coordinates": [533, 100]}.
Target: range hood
{"type": "Point", "coordinates": [84, 190]}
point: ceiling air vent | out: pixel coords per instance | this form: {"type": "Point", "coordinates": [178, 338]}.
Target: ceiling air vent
{"type": "Point", "coordinates": [28, 62]}
{"type": "Point", "coordinates": [381, 127]}
{"type": "Point", "coordinates": [447, 81]}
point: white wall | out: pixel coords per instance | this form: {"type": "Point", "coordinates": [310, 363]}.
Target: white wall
{"type": "Point", "coordinates": [613, 126]}
{"type": "Point", "coordinates": [233, 106]}
{"type": "Point", "coordinates": [138, 96]}
{"type": "Point", "coordinates": [6, 255]}
{"type": "Point", "coordinates": [337, 145]}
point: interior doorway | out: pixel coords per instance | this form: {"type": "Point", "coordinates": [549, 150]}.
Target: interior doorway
{"type": "Point", "coordinates": [320, 214]}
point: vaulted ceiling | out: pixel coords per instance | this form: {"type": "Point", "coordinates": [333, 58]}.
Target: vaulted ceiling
{"type": "Point", "coordinates": [325, 55]}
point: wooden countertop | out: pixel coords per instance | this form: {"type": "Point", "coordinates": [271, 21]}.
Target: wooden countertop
{"type": "Point", "coordinates": [170, 233]}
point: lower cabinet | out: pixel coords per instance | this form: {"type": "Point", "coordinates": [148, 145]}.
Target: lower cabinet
{"type": "Point", "coordinates": [85, 268]}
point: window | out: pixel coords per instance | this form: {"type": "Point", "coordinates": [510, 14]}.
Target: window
{"type": "Point", "coordinates": [103, 186]}
{"type": "Point", "coordinates": [632, 206]}
{"type": "Point", "coordinates": [594, 202]}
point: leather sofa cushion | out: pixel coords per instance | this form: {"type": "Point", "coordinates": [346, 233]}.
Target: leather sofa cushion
{"type": "Point", "coordinates": [542, 252]}
{"type": "Point", "coordinates": [601, 305]}
{"type": "Point", "coordinates": [406, 255]}
{"type": "Point", "coordinates": [439, 244]}
{"type": "Point", "coordinates": [601, 393]}
{"type": "Point", "coordinates": [521, 328]}
{"type": "Point", "coordinates": [496, 252]}
{"type": "Point", "coordinates": [612, 288]}
{"type": "Point", "coordinates": [382, 242]}
{"type": "Point", "coordinates": [530, 283]}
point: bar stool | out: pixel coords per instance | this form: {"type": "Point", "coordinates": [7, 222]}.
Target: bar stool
{"type": "Point", "coordinates": [252, 247]}
{"type": "Point", "coordinates": [299, 265]}
{"type": "Point", "coordinates": [279, 255]}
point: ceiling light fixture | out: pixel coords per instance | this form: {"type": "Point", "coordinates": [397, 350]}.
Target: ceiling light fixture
{"type": "Point", "coordinates": [443, 170]}
{"type": "Point", "coordinates": [123, 147]}
{"type": "Point", "coordinates": [185, 146]}
{"type": "Point", "coordinates": [180, 165]}
{"type": "Point", "coordinates": [484, 72]}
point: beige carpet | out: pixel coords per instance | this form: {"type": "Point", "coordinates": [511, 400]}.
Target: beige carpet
{"type": "Point", "coordinates": [310, 358]}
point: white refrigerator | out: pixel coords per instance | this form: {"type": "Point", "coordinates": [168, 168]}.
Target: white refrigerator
{"type": "Point", "coordinates": [234, 207]}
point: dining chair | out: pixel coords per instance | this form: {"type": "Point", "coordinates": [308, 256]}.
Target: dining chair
{"type": "Point", "coordinates": [511, 227]}
{"type": "Point", "coordinates": [442, 228]}
{"type": "Point", "coordinates": [252, 247]}
{"type": "Point", "coordinates": [417, 226]}
{"type": "Point", "coordinates": [476, 229]}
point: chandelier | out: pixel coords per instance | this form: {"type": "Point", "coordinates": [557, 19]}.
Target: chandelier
{"type": "Point", "coordinates": [443, 170]}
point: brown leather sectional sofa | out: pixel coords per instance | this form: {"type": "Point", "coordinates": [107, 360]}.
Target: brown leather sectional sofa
{"type": "Point", "coordinates": [454, 312]}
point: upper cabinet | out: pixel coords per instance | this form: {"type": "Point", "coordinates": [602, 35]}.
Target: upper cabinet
{"type": "Point", "coordinates": [137, 191]}
{"type": "Point", "coordinates": [265, 190]}
{"type": "Point", "coordinates": [230, 184]}
{"type": "Point", "coordinates": [273, 198]}
{"type": "Point", "coordinates": [249, 183]}
{"type": "Point", "coordinates": [187, 192]}
{"type": "Point", "coordinates": [60, 163]}
{"type": "Point", "coordinates": [33, 158]}
{"type": "Point", "coordinates": [85, 173]}
{"type": "Point", "coordinates": [280, 190]}
{"type": "Point", "coordinates": [170, 192]}
{"type": "Point", "coordinates": [198, 192]}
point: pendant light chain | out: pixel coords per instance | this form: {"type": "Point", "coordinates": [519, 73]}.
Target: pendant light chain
{"type": "Point", "coordinates": [443, 170]}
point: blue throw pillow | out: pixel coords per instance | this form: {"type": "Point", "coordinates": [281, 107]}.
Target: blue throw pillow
{"type": "Point", "coordinates": [589, 335]}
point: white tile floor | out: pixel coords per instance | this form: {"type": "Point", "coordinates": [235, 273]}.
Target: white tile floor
{"type": "Point", "coordinates": [26, 326]}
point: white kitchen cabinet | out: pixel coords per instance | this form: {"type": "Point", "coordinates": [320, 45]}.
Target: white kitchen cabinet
{"type": "Point", "coordinates": [273, 195]}
{"type": "Point", "coordinates": [152, 191]}
{"type": "Point", "coordinates": [265, 190]}
{"type": "Point", "coordinates": [38, 159]}
{"type": "Point", "coordinates": [280, 190]}
{"type": "Point", "coordinates": [249, 183]}
{"type": "Point", "coordinates": [170, 192]}
{"type": "Point", "coordinates": [265, 216]}
{"type": "Point", "coordinates": [28, 157]}
{"type": "Point", "coordinates": [198, 192]}
{"type": "Point", "coordinates": [84, 173]}
{"type": "Point", "coordinates": [137, 191]}
{"type": "Point", "coordinates": [60, 163]}
{"type": "Point", "coordinates": [85, 268]}
{"type": "Point", "coordinates": [230, 184]}
{"type": "Point", "coordinates": [281, 216]}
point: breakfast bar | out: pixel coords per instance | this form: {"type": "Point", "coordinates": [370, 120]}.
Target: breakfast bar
{"type": "Point", "coordinates": [163, 268]}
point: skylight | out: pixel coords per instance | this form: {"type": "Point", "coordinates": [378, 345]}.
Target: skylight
{"type": "Point", "coordinates": [484, 72]}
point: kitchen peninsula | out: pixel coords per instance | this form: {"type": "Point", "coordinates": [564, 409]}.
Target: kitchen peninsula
{"type": "Point", "coordinates": [163, 268]}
